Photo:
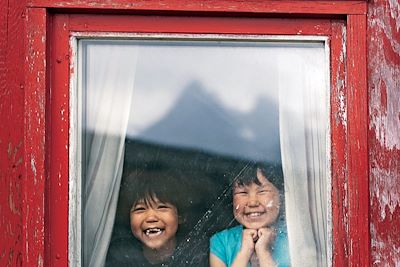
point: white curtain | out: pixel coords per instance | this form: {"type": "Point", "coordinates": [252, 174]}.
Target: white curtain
{"type": "Point", "coordinates": [303, 119]}
{"type": "Point", "coordinates": [108, 83]}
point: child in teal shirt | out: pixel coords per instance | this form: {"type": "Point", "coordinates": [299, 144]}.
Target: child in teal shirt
{"type": "Point", "coordinates": [259, 240]}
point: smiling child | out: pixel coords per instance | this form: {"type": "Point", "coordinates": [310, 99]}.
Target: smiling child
{"type": "Point", "coordinates": [259, 240]}
{"type": "Point", "coordinates": [154, 221]}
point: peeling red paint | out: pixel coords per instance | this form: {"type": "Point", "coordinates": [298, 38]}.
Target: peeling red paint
{"type": "Point", "coordinates": [383, 91]}
{"type": "Point", "coordinates": [22, 104]}
{"type": "Point", "coordinates": [34, 139]}
{"type": "Point", "coordinates": [384, 131]}
{"type": "Point", "coordinates": [11, 132]}
{"type": "Point", "coordinates": [339, 155]}
{"type": "Point", "coordinates": [251, 6]}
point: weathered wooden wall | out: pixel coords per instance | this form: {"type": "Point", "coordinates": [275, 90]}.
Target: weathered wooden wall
{"type": "Point", "coordinates": [17, 239]}
{"type": "Point", "coordinates": [384, 130]}
{"type": "Point", "coordinates": [12, 162]}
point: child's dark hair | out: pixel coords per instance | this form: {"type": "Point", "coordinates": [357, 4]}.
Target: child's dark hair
{"type": "Point", "coordinates": [247, 174]}
{"type": "Point", "coordinates": [148, 185]}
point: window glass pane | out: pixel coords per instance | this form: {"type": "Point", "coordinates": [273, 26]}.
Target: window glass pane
{"type": "Point", "coordinates": [172, 133]}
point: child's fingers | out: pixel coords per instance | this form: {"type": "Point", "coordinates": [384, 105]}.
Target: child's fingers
{"type": "Point", "coordinates": [266, 231]}
{"type": "Point", "coordinates": [267, 235]}
{"type": "Point", "coordinates": [254, 235]}
{"type": "Point", "coordinates": [251, 233]}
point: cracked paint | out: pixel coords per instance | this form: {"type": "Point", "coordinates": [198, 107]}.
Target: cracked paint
{"type": "Point", "coordinates": [341, 114]}
{"type": "Point", "coordinates": [384, 244]}
{"type": "Point", "coordinates": [384, 130]}
{"type": "Point", "coordinates": [33, 166]}
{"type": "Point", "coordinates": [389, 195]}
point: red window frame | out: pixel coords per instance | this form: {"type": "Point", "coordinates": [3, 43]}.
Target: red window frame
{"type": "Point", "coordinates": [50, 25]}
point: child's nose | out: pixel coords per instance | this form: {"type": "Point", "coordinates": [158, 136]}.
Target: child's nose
{"type": "Point", "coordinates": [253, 201]}
{"type": "Point", "coordinates": [151, 216]}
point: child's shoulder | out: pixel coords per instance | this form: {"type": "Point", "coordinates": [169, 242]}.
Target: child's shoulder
{"type": "Point", "coordinates": [229, 233]}
{"type": "Point", "coordinates": [226, 243]}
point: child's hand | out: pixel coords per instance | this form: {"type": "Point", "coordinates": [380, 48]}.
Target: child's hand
{"type": "Point", "coordinates": [266, 236]}
{"type": "Point", "coordinates": [249, 238]}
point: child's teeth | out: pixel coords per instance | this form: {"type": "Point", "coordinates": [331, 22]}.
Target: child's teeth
{"type": "Point", "coordinates": [153, 231]}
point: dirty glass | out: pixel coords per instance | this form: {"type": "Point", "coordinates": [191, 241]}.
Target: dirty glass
{"type": "Point", "coordinates": [167, 125]}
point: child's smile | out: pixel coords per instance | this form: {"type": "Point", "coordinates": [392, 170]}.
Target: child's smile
{"type": "Point", "coordinates": [256, 206]}
{"type": "Point", "coordinates": [154, 223]}
{"type": "Point", "coordinates": [152, 232]}
{"type": "Point", "coordinates": [254, 215]}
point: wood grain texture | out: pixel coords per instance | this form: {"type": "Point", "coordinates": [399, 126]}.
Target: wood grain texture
{"type": "Point", "coordinates": [24, 141]}
{"type": "Point", "coordinates": [202, 25]}
{"type": "Point", "coordinates": [357, 125]}
{"type": "Point", "coordinates": [339, 144]}
{"type": "Point", "coordinates": [233, 6]}
{"type": "Point", "coordinates": [58, 140]}
{"type": "Point", "coordinates": [34, 138]}
{"type": "Point", "coordinates": [384, 130]}
{"type": "Point", "coordinates": [12, 175]}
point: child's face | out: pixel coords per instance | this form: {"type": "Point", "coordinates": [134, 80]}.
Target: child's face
{"type": "Point", "coordinates": [155, 225]}
{"type": "Point", "coordinates": [256, 206]}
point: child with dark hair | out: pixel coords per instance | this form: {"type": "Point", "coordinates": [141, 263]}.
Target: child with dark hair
{"type": "Point", "coordinates": [154, 220]}
{"type": "Point", "coordinates": [260, 239]}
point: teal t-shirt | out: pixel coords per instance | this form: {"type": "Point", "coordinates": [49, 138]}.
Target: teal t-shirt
{"type": "Point", "coordinates": [226, 244]}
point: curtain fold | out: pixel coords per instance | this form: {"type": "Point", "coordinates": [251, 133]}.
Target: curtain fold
{"type": "Point", "coordinates": [303, 125]}
{"type": "Point", "coordinates": [109, 84]}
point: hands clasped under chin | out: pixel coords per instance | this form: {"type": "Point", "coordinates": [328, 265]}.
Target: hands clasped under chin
{"type": "Point", "coordinates": [257, 240]}
{"type": "Point", "coordinates": [256, 245]}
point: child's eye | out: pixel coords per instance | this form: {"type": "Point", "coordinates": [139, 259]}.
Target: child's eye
{"type": "Point", "coordinates": [264, 191]}
{"type": "Point", "coordinates": [138, 209]}
{"type": "Point", "coordinates": [162, 206]}
{"type": "Point", "coordinates": [241, 193]}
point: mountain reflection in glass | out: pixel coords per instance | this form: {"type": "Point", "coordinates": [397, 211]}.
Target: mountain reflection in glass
{"type": "Point", "coordinates": [199, 110]}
